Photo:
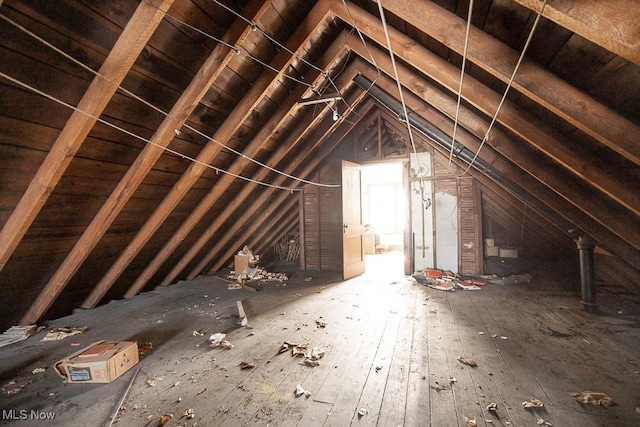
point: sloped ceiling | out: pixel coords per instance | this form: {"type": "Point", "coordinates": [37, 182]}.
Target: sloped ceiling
{"type": "Point", "coordinates": [124, 127]}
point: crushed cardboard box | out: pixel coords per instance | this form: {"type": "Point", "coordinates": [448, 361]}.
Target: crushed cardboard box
{"type": "Point", "coordinates": [100, 362]}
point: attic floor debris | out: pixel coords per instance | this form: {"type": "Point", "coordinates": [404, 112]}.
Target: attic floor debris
{"type": "Point", "coordinates": [387, 340]}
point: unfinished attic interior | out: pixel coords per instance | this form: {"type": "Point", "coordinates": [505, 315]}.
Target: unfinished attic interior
{"type": "Point", "coordinates": [380, 157]}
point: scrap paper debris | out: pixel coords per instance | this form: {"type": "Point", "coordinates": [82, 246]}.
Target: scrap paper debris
{"type": "Point", "coordinates": [595, 398]}
{"type": "Point", "coordinates": [189, 414]}
{"type": "Point", "coordinates": [18, 333]}
{"type": "Point", "coordinates": [301, 391]}
{"type": "Point", "coordinates": [470, 422]}
{"type": "Point", "coordinates": [532, 403]}
{"type": "Point", "coordinates": [17, 389]}
{"type": "Point", "coordinates": [467, 361]}
{"type": "Point", "coordinates": [56, 334]}
{"type": "Point", "coordinates": [247, 365]}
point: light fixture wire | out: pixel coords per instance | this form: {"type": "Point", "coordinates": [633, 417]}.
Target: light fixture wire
{"type": "Point", "coordinates": [464, 61]}
{"type": "Point", "coordinates": [506, 91]}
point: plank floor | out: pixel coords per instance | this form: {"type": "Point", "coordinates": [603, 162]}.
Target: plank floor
{"type": "Point", "coordinates": [391, 356]}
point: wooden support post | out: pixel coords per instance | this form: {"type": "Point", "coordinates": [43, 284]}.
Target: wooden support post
{"type": "Point", "coordinates": [134, 37]}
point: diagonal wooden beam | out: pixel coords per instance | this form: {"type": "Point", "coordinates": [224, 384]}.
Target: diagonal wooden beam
{"type": "Point", "coordinates": [519, 122]}
{"type": "Point", "coordinates": [532, 80]}
{"type": "Point", "coordinates": [298, 134]}
{"type": "Point", "coordinates": [273, 205]}
{"type": "Point", "coordinates": [262, 243]}
{"type": "Point", "coordinates": [229, 127]}
{"type": "Point", "coordinates": [134, 37]}
{"type": "Point", "coordinates": [624, 224]}
{"type": "Point", "coordinates": [187, 102]}
{"type": "Point", "coordinates": [611, 24]}
{"type": "Point", "coordinates": [268, 130]}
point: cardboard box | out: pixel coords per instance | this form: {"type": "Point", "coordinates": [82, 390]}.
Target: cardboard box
{"type": "Point", "coordinates": [241, 262]}
{"type": "Point", "coordinates": [491, 251]}
{"type": "Point", "coordinates": [506, 252]}
{"type": "Point", "coordinates": [101, 362]}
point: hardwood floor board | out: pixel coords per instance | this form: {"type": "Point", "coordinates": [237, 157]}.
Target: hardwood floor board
{"type": "Point", "coordinates": [353, 328]}
{"type": "Point", "coordinates": [443, 409]}
{"type": "Point", "coordinates": [491, 378]}
{"type": "Point", "coordinates": [354, 374]}
{"type": "Point", "coordinates": [418, 404]}
{"type": "Point", "coordinates": [394, 401]}
{"type": "Point", "coordinates": [412, 333]}
{"type": "Point", "coordinates": [373, 390]}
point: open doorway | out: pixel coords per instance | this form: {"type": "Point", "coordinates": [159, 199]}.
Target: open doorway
{"type": "Point", "coordinates": [384, 215]}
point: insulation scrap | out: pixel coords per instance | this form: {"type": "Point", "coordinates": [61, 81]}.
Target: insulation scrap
{"type": "Point", "coordinates": [247, 365]}
{"type": "Point", "coordinates": [301, 391]}
{"type": "Point", "coordinates": [56, 334]}
{"type": "Point", "coordinates": [595, 398]}
{"type": "Point", "coordinates": [532, 403]}
{"type": "Point", "coordinates": [467, 361]}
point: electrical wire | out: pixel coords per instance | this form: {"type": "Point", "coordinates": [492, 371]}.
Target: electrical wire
{"type": "Point", "coordinates": [464, 60]}
{"type": "Point", "coordinates": [134, 135]}
{"type": "Point", "coordinates": [426, 202]}
{"type": "Point", "coordinates": [364, 43]}
{"type": "Point", "coordinates": [255, 27]}
{"type": "Point", "coordinates": [155, 108]}
{"type": "Point", "coordinates": [504, 96]}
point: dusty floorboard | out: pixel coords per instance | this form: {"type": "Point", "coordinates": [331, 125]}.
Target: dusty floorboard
{"type": "Point", "coordinates": [391, 353]}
